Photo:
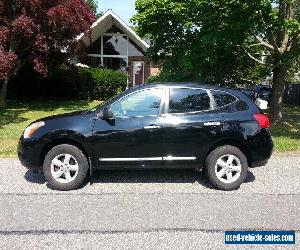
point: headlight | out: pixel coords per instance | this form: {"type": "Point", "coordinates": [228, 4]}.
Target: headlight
{"type": "Point", "coordinates": [32, 128]}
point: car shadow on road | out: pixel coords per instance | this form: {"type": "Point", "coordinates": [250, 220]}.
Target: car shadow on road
{"type": "Point", "coordinates": [156, 176]}
{"type": "Point", "coordinates": [35, 177]}
{"type": "Point", "coordinates": [140, 176]}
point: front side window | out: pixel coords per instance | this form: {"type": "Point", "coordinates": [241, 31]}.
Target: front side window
{"type": "Point", "coordinates": [188, 100]}
{"type": "Point", "coordinates": [142, 103]}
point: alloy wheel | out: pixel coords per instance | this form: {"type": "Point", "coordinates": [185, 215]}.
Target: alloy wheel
{"type": "Point", "coordinates": [64, 168]}
{"type": "Point", "coordinates": [228, 168]}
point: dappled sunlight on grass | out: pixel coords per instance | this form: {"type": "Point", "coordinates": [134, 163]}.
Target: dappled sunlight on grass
{"type": "Point", "coordinates": [286, 134]}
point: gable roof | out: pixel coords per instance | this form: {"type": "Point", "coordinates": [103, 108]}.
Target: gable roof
{"type": "Point", "coordinates": [107, 21]}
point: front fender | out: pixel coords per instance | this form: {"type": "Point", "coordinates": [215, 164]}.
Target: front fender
{"type": "Point", "coordinates": [58, 137]}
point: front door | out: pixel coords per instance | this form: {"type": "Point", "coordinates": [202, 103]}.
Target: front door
{"type": "Point", "coordinates": [138, 73]}
{"type": "Point", "coordinates": [133, 138]}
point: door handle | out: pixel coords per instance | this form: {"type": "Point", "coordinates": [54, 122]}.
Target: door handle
{"type": "Point", "coordinates": [152, 127]}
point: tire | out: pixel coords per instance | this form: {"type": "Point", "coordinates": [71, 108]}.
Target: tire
{"type": "Point", "coordinates": [223, 160]}
{"type": "Point", "coordinates": [65, 167]}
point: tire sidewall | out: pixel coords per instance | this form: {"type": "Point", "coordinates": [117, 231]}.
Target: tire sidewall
{"type": "Point", "coordinates": [82, 170]}
{"type": "Point", "coordinates": [212, 160]}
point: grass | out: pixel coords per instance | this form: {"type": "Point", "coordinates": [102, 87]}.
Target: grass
{"type": "Point", "coordinates": [18, 115]}
{"type": "Point", "coordinates": [286, 134]}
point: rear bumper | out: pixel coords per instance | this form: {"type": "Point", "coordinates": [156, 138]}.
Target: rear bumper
{"type": "Point", "coordinates": [29, 151]}
{"type": "Point", "coordinates": [260, 148]}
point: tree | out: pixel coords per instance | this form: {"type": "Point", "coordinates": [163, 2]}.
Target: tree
{"type": "Point", "coordinates": [93, 6]}
{"type": "Point", "coordinates": [229, 39]}
{"type": "Point", "coordinates": [179, 28]}
{"type": "Point", "coordinates": [31, 32]}
{"type": "Point", "coordinates": [270, 32]}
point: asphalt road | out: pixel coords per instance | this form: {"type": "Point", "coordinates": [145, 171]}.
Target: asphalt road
{"type": "Point", "coordinates": [151, 209]}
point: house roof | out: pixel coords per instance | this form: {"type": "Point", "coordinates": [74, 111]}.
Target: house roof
{"type": "Point", "coordinates": [105, 22]}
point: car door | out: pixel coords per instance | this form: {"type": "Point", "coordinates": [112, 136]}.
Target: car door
{"type": "Point", "coordinates": [133, 137]}
{"type": "Point", "coordinates": [190, 126]}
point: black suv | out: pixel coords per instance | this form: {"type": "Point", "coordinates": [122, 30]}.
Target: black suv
{"type": "Point", "coordinates": [167, 125]}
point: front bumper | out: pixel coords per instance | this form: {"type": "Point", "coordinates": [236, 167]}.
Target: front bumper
{"type": "Point", "coordinates": [29, 153]}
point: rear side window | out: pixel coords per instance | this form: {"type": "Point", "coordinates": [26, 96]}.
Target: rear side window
{"type": "Point", "coordinates": [222, 98]}
{"type": "Point", "coordinates": [188, 100]}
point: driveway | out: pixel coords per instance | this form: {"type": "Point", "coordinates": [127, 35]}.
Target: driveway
{"type": "Point", "coordinates": [151, 209]}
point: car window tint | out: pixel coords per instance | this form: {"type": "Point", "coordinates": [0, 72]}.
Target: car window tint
{"type": "Point", "coordinates": [188, 100]}
{"type": "Point", "coordinates": [142, 103]}
{"type": "Point", "coordinates": [222, 98]}
{"type": "Point", "coordinates": [265, 89]}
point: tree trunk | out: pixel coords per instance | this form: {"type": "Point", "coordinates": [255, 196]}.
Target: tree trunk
{"type": "Point", "coordinates": [3, 93]}
{"type": "Point", "coordinates": [279, 73]}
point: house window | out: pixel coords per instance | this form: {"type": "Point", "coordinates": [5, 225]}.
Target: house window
{"type": "Point", "coordinates": [133, 49]}
{"type": "Point", "coordinates": [94, 62]}
{"type": "Point", "coordinates": [115, 45]}
{"type": "Point", "coordinates": [112, 50]}
{"type": "Point", "coordinates": [115, 63]}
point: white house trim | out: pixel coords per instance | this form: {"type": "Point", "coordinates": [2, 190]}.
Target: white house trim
{"type": "Point", "coordinates": [104, 23]}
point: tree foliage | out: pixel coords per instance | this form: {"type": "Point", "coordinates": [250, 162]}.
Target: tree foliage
{"type": "Point", "coordinates": [200, 47]}
{"type": "Point", "coordinates": [32, 31]}
{"type": "Point", "coordinates": [93, 6]}
{"type": "Point", "coordinates": [224, 40]}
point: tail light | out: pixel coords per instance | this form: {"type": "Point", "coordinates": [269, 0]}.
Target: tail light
{"type": "Point", "coordinates": [262, 120]}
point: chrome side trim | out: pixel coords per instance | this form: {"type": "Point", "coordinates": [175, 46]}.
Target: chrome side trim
{"type": "Point", "coordinates": [131, 159]}
{"type": "Point", "coordinates": [152, 127]}
{"type": "Point", "coordinates": [212, 124]}
{"type": "Point", "coordinates": [171, 158]}
{"type": "Point", "coordinates": [168, 158]}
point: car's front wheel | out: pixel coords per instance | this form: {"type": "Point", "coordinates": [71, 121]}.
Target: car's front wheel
{"type": "Point", "coordinates": [65, 167]}
{"type": "Point", "coordinates": [226, 167]}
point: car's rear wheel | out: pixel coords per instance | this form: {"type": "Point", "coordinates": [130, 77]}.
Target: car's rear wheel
{"type": "Point", "coordinates": [226, 167]}
{"type": "Point", "coordinates": [65, 167]}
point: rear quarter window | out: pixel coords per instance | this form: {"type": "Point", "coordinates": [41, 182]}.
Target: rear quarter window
{"type": "Point", "coordinates": [223, 99]}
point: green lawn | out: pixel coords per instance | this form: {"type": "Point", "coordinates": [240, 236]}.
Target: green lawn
{"type": "Point", "coordinates": [286, 134]}
{"type": "Point", "coordinates": [18, 115]}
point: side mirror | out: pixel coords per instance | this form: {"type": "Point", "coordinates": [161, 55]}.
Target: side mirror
{"type": "Point", "coordinates": [105, 114]}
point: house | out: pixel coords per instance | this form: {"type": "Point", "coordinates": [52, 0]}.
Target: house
{"type": "Point", "coordinates": [112, 44]}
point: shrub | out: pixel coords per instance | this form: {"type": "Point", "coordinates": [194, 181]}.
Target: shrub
{"type": "Point", "coordinates": [100, 84]}
{"type": "Point", "coordinates": [69, 84]}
